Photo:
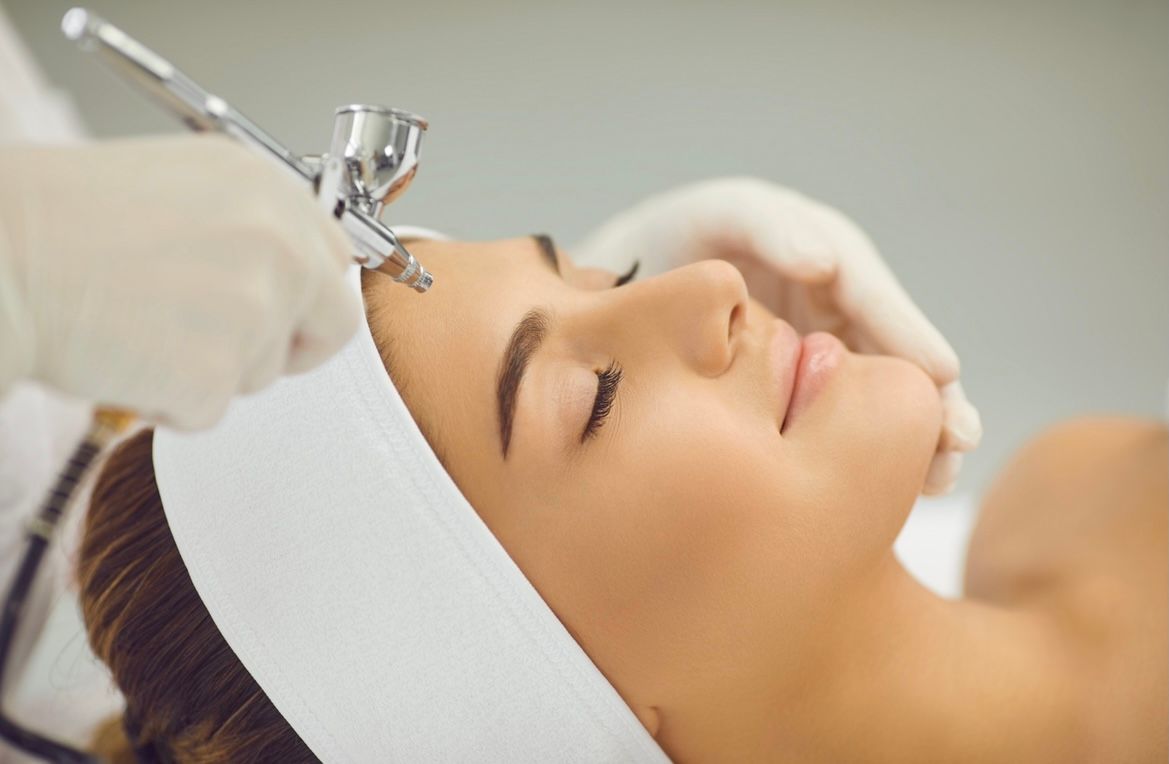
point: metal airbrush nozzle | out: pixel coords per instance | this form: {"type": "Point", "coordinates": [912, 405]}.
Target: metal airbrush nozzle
{"type": "Point", "coordinates": [372, 159]}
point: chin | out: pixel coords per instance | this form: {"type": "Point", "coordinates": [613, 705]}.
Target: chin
{"type": "Point", "coordinates": [914, 412]}
{"type": "Point", "coordinates": [896, 418]}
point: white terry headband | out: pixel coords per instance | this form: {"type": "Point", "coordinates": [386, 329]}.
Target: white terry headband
{"type": "Point", "coordinates": [364, 594]}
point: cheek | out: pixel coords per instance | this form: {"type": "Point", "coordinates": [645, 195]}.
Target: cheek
{"type": "Point", "coordinates": [660, 552]}
{"type": "Point", "coordinates": [694, 529]}
{"type": "Point", "coordinates": [868, 448]}
{"type": "Point", "coordinates": [897, 417]}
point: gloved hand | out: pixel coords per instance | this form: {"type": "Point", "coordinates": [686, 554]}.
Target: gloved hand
{"type": "Point", "coordinates": [809, 264]}
{"type": "Point", "coordinates": [165, 275]}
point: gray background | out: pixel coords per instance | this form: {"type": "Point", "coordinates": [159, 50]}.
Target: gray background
{"type": "Point", "coordinates": [1009, 158]}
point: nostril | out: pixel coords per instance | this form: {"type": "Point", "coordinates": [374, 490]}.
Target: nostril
{"type": "Point", "coordinates": [736, 318]}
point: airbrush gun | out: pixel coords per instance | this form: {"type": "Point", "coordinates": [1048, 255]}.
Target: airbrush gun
{"type": "Point", "coordinates": [371, 160]}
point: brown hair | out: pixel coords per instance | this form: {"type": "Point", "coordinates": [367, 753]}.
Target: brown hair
{"type": "Point", "coordinates": [188, 697]}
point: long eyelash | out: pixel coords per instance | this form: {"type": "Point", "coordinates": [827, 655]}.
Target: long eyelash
{"type": "Point", "coordinates": [607, 382]}
{"type": "Point", "coordinates": [623, 280]}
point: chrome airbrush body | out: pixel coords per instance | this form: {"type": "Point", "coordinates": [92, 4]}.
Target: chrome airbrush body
{"type": "Point", "coordinates": [371, 160]}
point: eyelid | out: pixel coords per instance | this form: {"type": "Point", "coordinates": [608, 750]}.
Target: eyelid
{"type": "Point", "coordinates": [608, 381]}
{"type": "Point", "coordinates": [628, 276]}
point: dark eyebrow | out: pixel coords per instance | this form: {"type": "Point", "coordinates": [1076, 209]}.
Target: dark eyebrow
{"type": "Point", "coordinates": [525, 340]}
{"type": "Point", "coordinates": [547, 249]}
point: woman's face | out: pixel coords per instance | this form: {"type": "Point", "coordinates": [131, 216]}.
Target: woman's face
{"type": "Point", "coordinates": [691, 538]}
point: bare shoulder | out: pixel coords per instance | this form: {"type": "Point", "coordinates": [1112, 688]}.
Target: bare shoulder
{"type": "Point", "coordinates": [1083, 492]}
{"type": "Point", "coordinates": [1077, 527]}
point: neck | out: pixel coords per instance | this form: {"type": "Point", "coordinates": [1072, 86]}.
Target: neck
{"type": "Point", "coordinates": [899, 675]}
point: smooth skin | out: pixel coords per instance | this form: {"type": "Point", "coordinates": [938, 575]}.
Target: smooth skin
{"type": "Point", "coordinates": [737, 584]}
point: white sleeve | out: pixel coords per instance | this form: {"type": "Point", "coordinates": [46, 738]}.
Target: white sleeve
{"type": "Point", "coordinates": [37, 432]}
{"type": "Point", "coordinates": [15, 342]}
{"type": "Point", "coordinates": [31, 110]}
{"type": "Point", "coordinates": [38, 429]}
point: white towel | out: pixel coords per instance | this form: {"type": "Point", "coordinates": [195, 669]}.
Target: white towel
{"type": "Point", "coordinates": [365, 595]}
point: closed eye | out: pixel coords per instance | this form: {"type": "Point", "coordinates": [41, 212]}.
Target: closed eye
{"type": "Point", "coordinates": [607, 381]}
{"type": "Point", "coordinates": [629, 275]}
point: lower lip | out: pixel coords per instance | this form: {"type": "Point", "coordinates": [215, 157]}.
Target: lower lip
{"type": "Point", "coordinates": [821, 356]}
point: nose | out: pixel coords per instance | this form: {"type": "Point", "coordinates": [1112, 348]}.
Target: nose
{"type": "Point", "coordinates": [695, 312]}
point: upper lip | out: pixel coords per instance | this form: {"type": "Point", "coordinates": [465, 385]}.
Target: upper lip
{"type": "Point", "coordinates": [787, 366]}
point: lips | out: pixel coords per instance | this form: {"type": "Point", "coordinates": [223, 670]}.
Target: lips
{"type": "Point", "coordinates": [785, 350]}
{"type": "Point", "coordinates": [801, 368]}
{"type": "Point", "coordinates": [822, 354]}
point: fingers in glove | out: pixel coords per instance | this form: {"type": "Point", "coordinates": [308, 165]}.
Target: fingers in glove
{"type": "Point", "coordinates": [780, 233]}
{"type": "Point", "coordinates": [330, 315]}
{"type": "Point", "coordinates": [872, 297]}
{"type": "Point", "coordinates": [269, 364]}
{"type": "Point", "coordinates": [206, 415]}
{"type": "Point", "coordinates": [205, 397]}
{"type": "Point", "coordinates": [943, 473]}
{"type": "Point", "coordinates": [961, 424]}
{"type": "Point", "coordinates": [331, 319]}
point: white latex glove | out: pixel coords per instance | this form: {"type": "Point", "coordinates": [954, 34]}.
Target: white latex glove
{"type": "Point", "coordinates": [809, 264]}
{"type": "Point", "coordinates": [165, 275]}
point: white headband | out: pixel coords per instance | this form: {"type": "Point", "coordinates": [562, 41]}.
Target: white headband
{"type": "Point", "coordinates": [365, 595]}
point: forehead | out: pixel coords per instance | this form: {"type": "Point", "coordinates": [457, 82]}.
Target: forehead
{"type": "Point", "coordinates": [480, 290]}
{"type": "Point", "coordinates": [447, 343]}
